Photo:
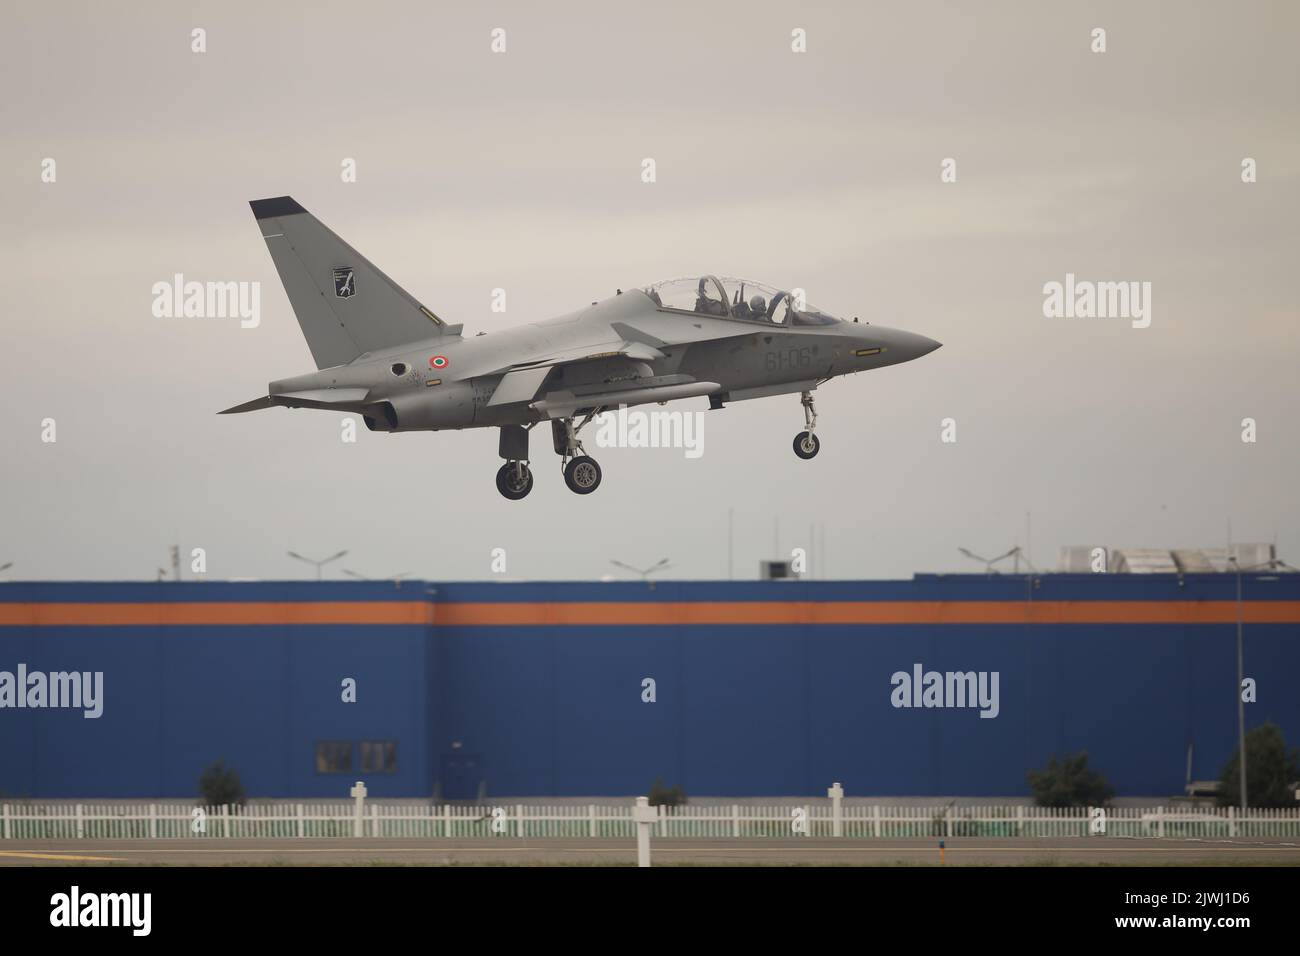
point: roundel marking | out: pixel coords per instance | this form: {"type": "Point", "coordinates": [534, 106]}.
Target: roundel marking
{"type": "Point", "coordinates": [438, 361]}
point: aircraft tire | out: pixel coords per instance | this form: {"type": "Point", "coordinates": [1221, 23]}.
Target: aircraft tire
{"type": "Point", "coordinates": [508, 486]}
{"type": "Point", "coordinates": [582, 475]}
{"type": "Point", "coordinates": [806, 445]}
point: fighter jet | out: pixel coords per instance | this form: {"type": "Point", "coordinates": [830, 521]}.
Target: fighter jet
{"type": "Point", "coordinates": [384, 356]}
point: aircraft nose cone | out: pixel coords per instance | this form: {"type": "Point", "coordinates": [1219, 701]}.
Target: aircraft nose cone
{"type": "Point", "coordinates": [926, 345]}
{"type": "Point", "coordinates": [905, 346]}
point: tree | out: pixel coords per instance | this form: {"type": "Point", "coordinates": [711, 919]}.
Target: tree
{"type": "Point", "coordinates": [1271, 771]}
{"type": "Point", "coordinates": [665, 796]}
{"type": "Point", "coordinates": [219, 786]}
{"type": "Point", "coordinates": [1070, 782]}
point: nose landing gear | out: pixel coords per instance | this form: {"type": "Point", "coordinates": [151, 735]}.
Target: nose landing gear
{"type": "Point", "coordinates": [806, 444]}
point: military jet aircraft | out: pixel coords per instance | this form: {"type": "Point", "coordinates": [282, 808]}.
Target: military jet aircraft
{"type": "Point", "coordinates": [384, 356]}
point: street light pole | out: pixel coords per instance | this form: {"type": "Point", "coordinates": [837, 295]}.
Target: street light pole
{"type": "Point", "coordinates": [660, 565]}
{"type": "Point", "coordinates": [319, 564]}
{"type": "Point", "coordinates": [1272, 565]}
{"type": "Point", "coordinates": [1241, 703]}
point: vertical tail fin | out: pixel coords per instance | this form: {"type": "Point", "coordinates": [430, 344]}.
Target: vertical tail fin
{"type": "Point", "coordinates": [345, 306]}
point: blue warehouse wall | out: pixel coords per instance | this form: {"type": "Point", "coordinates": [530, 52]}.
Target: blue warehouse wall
{"type": "Point", "coordinates": [785, 709]}
{"type": "Point", "coordinates": [179, 697]}
{"type": "Point", "coordinates": [782, 711]}
{"type": "Point", "coordinates": [762, 688]}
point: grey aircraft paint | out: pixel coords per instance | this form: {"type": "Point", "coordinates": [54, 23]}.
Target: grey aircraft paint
{"type": "Point", "coordinates": [385, 356]}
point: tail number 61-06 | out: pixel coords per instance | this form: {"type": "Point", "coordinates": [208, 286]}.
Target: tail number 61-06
{"type": "Point", "coordinates": [787, 358]}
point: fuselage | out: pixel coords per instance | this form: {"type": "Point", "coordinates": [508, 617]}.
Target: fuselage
{"type": "Point", "coordinates": [449, 382]}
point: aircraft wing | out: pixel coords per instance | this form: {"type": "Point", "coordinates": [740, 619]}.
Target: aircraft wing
{"type": "Point", "coordinates": [522, 379]}
{"type": "Point", "coordinates": [667, 328]}
{"type": "Point", "coordinates": [637, 351]}
{"type": "Point", "coordinates": [627, 339]}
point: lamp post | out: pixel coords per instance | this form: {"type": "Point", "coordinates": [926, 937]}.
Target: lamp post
{"type": "Point", "coordinates": [1241, 703]}
{"type": "Point", "coordinates": [660, 565]}
{"type": "Point", "coordinates": [319, 564]}
{"type": "Point", "coordinates": [1241, 674]}
{"type": "Point", "coordinates": [1017, 552]}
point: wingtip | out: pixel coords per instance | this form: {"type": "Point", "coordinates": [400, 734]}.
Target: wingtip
{"type": "Point", "coordinates": [273, 208]}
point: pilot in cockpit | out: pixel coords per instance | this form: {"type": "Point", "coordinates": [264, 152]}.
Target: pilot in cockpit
{"type": "Point", "coordinates": [739, 307]}
{"type": "Point", "coordinates": [753, 310]}
{"type": "Point", "coordinates": [704, 303]}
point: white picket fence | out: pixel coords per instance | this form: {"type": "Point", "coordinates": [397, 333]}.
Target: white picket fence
{"type": "Point", "coordinates": [32, 821]}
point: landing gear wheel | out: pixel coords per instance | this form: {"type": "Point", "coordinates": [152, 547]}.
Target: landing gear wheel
{"type": "Point", "coordinates": [806, 445]}
{"type": "Point", "coordinates": [582, 475]}
{"type": "Point", "coordinates": [514, 480]}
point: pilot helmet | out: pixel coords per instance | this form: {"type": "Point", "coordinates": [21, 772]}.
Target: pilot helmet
{"type": "Point", "coordinates": [758, 304]}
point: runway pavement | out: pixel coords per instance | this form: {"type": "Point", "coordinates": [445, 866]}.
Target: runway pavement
{"type": "Point", "coordinates": [973, 851]}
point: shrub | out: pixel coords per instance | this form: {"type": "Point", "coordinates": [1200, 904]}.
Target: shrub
{"type": "Point", "coordinates": [219, 786]}
{"type": "Point", "coordinates": [1271, 771]}
{"type": "Point", "coordinates": [1070, 782]}
{"type": "Point", "coordinates": [665, 796]}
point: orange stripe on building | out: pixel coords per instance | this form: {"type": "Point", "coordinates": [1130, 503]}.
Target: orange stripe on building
{"type": "Point", "coordinates": [867, 612]}
{"type": "Point", "coordinates": [222, 613]}
{"type": "Point", "coordinates": [627, 613]}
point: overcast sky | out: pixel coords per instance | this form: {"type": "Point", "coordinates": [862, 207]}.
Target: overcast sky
{"type": "Point", "coordinates": [522, 170]}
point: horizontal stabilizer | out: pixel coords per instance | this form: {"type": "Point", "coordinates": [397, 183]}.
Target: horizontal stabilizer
{"type": "Point", "coordinates": [323, 397]}
{"type": "Point", "coordinates": [344, 398]}
{"type": "Point", "coordinates": [258, 403]}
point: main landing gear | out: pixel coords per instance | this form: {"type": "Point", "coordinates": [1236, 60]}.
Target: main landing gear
{"type": "Point", "coordinates": [806, 444]}
{"type": "Point", "coordinates": [514, 478]}
{"type": "Point", "coordinates": [581, 473]}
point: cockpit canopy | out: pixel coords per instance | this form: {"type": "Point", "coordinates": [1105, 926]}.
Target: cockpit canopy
{"type": "Point", "coordinates": [728, 297]}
